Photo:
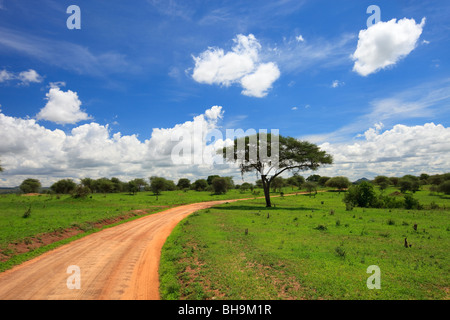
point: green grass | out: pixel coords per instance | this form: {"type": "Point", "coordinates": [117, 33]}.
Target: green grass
{"type": "Point", "coordinates": [51, 213]}
{"type": "Point", "coordinates": [309, 248]}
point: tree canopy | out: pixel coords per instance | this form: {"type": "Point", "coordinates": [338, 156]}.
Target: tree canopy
{"type": "Point", "coordinates": [30, 186]}
{"type": "Point", "coordinates": [270, 155]}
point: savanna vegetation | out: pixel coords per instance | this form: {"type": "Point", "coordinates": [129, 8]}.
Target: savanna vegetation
{"type": "Point", "coordinates": [317, 247]}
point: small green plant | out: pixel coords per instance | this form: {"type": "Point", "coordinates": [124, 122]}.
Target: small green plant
{"type": "Point", "coordinates": [391, 222]}
{"type": "Point", "coordinates": [321, 227]}
{"type": "Point", "coordinates": [340, 251]}
{"type": "Point", "coordinates": [27, 213]}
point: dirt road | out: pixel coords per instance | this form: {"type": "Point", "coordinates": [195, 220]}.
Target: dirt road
{"type": "Point", "coordinates": [116, 263]}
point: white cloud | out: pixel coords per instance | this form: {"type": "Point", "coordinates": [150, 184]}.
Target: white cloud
{"type": "Point", "coordinates": [337, 83]}
{"type": "Point", "coordinates": [240, 65]}
{"type": "Point", "coordinates": [62, 107]}
{"type": "Point", "coordinates": [300, 38]}
{"type": "Point", "coordinates": [294, 108]}
{"type": "Point", "coordinates": [258, 83]}
{"type": "Point", "coordinates": [385, 43]}
{"type": "Point", "coordinates": [6, 76]}
{"type": "Point", "coordinates": [28, 149]}
{"type": "Point", "coordinates": [25, 77]}
{"type": "Point", "coordinates": [395, 152]}
{"type": "Point", "coordinates": [30, 76]}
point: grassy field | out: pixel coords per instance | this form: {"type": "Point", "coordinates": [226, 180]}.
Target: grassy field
{"type": "Point", "coordinates": [309, 248]}
{"type": "Point", "coordinates": [55, 220]}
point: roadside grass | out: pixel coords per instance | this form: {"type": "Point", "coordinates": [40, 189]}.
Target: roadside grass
{"type": "Point", "coordinates": [309, 248]}
{"type": "Point", "coordinates": [26, 220]}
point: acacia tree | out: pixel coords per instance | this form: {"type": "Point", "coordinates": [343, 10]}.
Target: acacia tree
{"type": "Point", "coordinates": [339, 183]}
{"type": "Point", "coordinates": [251, 153]}
{"type": "Point", "coordinates": [30, 186]}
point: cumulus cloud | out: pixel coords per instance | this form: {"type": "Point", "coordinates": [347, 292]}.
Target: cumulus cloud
{"type": "Point", "coordinates": [24, 77]}
{"type": "Point", "coordinates": [62, 107]}
{"type": "Point", "coordinates": [29, 77]}
{"type": "Point", "coordinates": [385, 43]}
{"type": "Point", "coordinates": [28, 149]}
{"type": "Point", "coordinates": [395, 152]}
{"type": "Point", "coordinates": [241, 65]}
{"type": "Point", "coordinates": [258, 83]}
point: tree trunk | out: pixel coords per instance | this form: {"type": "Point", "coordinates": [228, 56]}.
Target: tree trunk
{"type": "Point", "coordinates": [266, 187]}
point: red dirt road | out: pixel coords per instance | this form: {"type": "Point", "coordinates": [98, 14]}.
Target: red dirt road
{"type": "Point", "coordinates": [116, 263]}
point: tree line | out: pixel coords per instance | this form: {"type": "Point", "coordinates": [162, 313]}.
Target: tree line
{"type": "Point", "coordinates": [213, 183]}
{"type": "Point", "coordinates": [220, 185]}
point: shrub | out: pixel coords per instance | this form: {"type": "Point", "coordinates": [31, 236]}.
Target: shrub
{"type": "Point", "coordinates": [27, 213]}
{"type": "Point", "coordinates": [362, 195]}
{"type": "Point", "coordinates": [219, 185]}
{"type": "Point", "coordinates": [321, 227]}
{"type": "Point", "coordinates": [444, 187]}
{"type": "Point", "coordinates": [411, 203]}
{"type": "Point", "coordinates": [340, 251]}
{"type": "Point", "coordinates": [81, 191]}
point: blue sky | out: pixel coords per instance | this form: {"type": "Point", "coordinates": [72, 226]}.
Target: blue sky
{"type": "Point", "coordinates": [287, 65]}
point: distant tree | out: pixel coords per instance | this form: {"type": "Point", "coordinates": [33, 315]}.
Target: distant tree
{"type": "Point", "coordinates": [220, 185]}
{"type": "Point", "coordinates": [323, 180]}
{"type": "Point", "coordinates": [293, 155]}
{"type": "Point", "coordinates": [103, 185]}
{"type": "Point", "coordinates": [394, 181]}
{"type": "Point", "coordinates": [362, 195]}
{"type": "Point", "coordinates": [295, 181]}
{"type": "Point", "coordinates": [118, 186]}
{"type": "Point", "coordinates": [424, 178]}
{"type": "Point", "coordinates": [200, 185]}
{"type": "Point", "coordinates": [184, 183]}
{"type": "Point", "coordinates": [382, 181]}
{"type": "Point", "coordinates": [30, 186]}
{"type": "Point", "coordinates": [444, 187]}
{"type": "Point", "coordinates": [230, 183]}
{"type": "Point", "coordinates": [211, 178]}
{"type": "Point", "coordinates": [438, 179]}
{"type": "Point", "coordinates": [64, 186]}
{"type": "Point", "coordinates": [311, 187]}
{"type": "Point", "coordinates": [409, 183]}
{"type": "Point", "coordinates": [259, 183]}
{"type": "Point", "coordinates": [88, 182]}
{"type": "Point", "coordinates": [246, 186]}
{"type": "Point", "coordinates": [1, 168]}
{"type": "Point", "coordinates": [278, 183]}
{"type": "Point", "coordinates": [339, 183]}
{"type": "Point", "coordinates": [81, 191]}
{"type": "Point", "coordinates": [169, 185]}
{"type": "Point", "coordinates": [132, 187]}
{"type": "Point", "coordinates": [157, 185]}
{"type": "Point", "coordinates": [313, 178]}
{"type": "Point", "coordinates": [141, 183]}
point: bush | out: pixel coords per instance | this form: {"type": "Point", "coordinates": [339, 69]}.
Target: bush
{"type": "Point", "coordinates": [81, 191]}
{"type": "Point", "coordinates": [362, 195]}
{"type": "Point", "coordinates": [444, 187]}
{"type": "Point", "coordinates": [219, 185]}
{"type": "Point", "coordinates": [411, 203]}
